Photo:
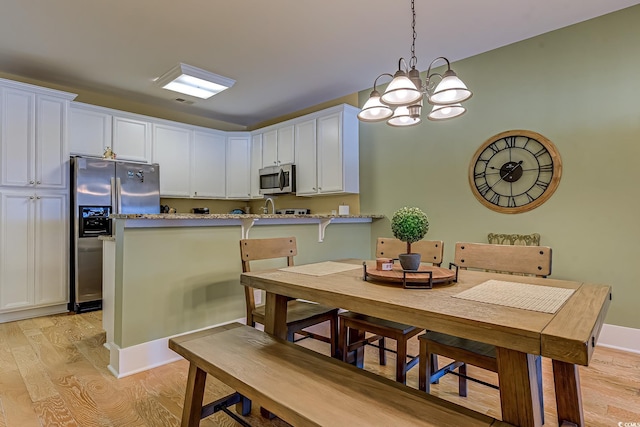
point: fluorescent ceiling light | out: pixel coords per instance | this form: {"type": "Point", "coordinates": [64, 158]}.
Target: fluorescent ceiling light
{"type": "Point", "coordinates": [194, 81]}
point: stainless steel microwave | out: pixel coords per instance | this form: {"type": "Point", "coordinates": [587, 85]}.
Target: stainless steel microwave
{"type": "Point", "coordinates": [278, 179]}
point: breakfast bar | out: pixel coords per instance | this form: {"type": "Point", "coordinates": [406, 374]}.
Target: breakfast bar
{"type": "Point", "coordinates": [170, 274]}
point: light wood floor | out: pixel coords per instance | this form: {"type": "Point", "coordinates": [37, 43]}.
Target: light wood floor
{"type": "Point", "coordinates": [53, 373]}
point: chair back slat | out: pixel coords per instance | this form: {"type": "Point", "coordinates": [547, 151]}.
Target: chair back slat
{"type": "Point", "coordinates": [259, 249]}
{"type": "Point", "coordinates": [534, 260]}
{"type": "Point", "coordinates": [430, 250]}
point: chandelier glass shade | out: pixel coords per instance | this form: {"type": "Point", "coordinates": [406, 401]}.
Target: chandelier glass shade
{"type": "Point", "coordinates": [402, 101]}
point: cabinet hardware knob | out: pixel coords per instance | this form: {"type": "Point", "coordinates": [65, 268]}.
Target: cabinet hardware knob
{"type": "Point", "coordinates": [37, 197]}
{"type": "Point", "coordinates": [32, 197]}
{"type": "Point", "coordinates": [38, 182]}
{"type": "Point", "coordinates": [31, 182]}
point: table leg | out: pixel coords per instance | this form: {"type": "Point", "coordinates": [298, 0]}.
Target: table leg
{"type": "Point", "coordinates": [568, 396]}
{"type": "Point", "coordinates": [275, 316]}
{"type": "Point", "coordinates": [193, 397]}
{"type": "Point", "coordinates": [519, 395]}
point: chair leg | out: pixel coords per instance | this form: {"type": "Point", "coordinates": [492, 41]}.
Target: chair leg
{"type": "Point", "coordinates": [290, 336]}
{"type": "Point", "coordinates": [462, 380]}
{"type": "Point", "coordinates": [353, 336]}
{"type": "Point", "coordinates": [333, 335]}
{"type": "Point", "coordinates": [342, 341]}
{"type": "Point", "coordinates": [401, 361]}
{"type": "Point", "coordinates": [539, 381]}
{"type": "Point", "coordinates": [381, 352]}
{"type": "Point", "coordinates": [424, 368]}
{"type": "Point", "coordinates": [433, 360]}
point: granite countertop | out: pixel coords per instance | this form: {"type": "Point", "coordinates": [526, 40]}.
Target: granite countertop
{"type": "Point", "coordinates": [236, 216]}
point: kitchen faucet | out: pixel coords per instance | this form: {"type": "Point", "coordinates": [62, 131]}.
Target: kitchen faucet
{"type": "Point", "coordinates": [265, 208]}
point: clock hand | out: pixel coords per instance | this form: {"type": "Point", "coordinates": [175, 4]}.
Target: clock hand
{"type": "Point", "coordinates": [519, 165]}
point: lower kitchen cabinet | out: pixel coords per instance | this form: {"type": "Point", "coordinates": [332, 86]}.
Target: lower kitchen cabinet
{"type": "Point", "coordinates": [34, 250]}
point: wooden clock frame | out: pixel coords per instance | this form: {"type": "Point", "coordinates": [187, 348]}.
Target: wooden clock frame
{"type": "Point", "coordinates": [501, 142]}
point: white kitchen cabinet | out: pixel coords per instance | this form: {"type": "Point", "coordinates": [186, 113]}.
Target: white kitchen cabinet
{"type": "Point", "coordinates": [172, 151]}
{"type": "Point", "coordinates": [33, 250]}
{"type": "Point", "coordinates": [131, 138]}
{"type": "Point", "coordinates": [306, 158]}
{"type": "Point", "coordinates": [208, 165]}
{"type": "Point", "coordinates": [33, 137]}
{"type": "Point", "coordinates": [89, 130]}
{"type": "Point", "coordinates": [255, 165]}
{"type": "Point", "coordinates": [333, 166]}
{"type": "Point", "coordinates": [278, 146]}
{"type": "Point", "coordinates": [238, 167]}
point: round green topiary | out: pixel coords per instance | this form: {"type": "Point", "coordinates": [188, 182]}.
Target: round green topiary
{"type": "Point", "coordinates": [409, 225]}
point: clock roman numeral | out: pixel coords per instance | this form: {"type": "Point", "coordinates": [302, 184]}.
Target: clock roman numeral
{"type": "Point", "coordinates": [546, 168]}
{"type": "Point", "coordinates": [493, 148]}
{"type": "Point", "coordinates": [495, 199]}
{"type": "Point", "coordinates": [542, 184]}
{"type": "Point", "coordinates": [480, 175]}
{"type": "Point", "coordinates": [511, 202]}
{"type": "Point", "coordinates": [531, 199]}
{"type": "Point", "coordinates": [541, 152]}
{"type": "Point", "coordinates": [483, 188]}
{"type": "Point", "coordinates": [510, 141]}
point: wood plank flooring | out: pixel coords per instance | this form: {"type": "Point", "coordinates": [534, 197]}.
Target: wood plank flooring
{"type": "Point", "coordinates": [53, 372]}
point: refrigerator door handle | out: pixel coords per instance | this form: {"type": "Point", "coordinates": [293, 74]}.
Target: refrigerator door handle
{"type": "Point", "coordinates": [113, 195]}
{"type": "Point", "coordinates": [118, 196]}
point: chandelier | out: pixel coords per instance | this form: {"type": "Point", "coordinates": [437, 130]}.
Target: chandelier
{"type": "Point", "coordinates": [401, 103]}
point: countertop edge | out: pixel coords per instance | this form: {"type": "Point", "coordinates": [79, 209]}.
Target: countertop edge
{"type": "Point", "coordinates": [190, 216]}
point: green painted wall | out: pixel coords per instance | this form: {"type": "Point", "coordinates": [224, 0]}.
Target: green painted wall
{"type": "Point", "coordinates": [174, 280]}
{"type": "Point", "coordinates": [579, 87]}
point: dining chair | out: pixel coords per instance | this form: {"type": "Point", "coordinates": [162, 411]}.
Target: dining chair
{"type": "Point", "coordinates": [300, 314]}
{"type": "Point", "coordinates": [528, 260]}
{"type": "Point", "coordinates": [355, 326]}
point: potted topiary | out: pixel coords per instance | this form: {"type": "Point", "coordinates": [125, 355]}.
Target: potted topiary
{"type": "Point", "coordinates": [409, 225]}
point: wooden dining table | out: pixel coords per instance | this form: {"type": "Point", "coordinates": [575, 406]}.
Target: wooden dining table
{"type": "Point", "coordinates": [567, 336]}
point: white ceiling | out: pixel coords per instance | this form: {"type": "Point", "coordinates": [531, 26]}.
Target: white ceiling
{"type": "Point", "coordinates": [285, 55]}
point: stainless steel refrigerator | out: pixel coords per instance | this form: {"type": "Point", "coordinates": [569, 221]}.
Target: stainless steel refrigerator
{"type": "Point", "coordinates": [101, 187]}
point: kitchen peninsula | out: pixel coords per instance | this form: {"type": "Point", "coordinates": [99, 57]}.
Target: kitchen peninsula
{"type": "Point", "coordinates": [168, 274]}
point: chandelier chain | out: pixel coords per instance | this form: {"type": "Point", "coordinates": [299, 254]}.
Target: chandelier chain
{"type": "Point", "coordinates": [413, 62]}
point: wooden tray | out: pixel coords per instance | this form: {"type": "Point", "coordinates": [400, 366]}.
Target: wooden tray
{"type": "Point", "coordinates": [438, 275]}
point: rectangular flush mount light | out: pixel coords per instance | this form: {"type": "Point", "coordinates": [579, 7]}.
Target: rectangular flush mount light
{"type": "Point", "coordinates": [194, 81]}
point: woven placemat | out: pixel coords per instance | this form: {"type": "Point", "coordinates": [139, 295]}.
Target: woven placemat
{"type": "Point", "coordinates": [321, 268]}
{"type": "Point", "coordinates": [545, 299]}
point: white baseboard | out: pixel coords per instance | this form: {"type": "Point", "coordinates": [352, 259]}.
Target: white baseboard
{"type": "Point", "coordinates": [30, 313]}
{"type": "Point", "coordinates": [620, 338]}
{"type": "Point", "coordinates": [131, 360]}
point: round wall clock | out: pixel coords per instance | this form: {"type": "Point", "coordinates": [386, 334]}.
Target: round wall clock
{"type": "Point", "coordinates": [515, 171]}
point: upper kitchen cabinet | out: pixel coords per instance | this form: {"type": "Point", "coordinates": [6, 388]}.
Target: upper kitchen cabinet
{"type": "Point", "coordinates": [255, 165]}
{"type": "Point", "coordinates": [131, 138]}
{"type": "Point", "coordinates": [33, 136]}
{"type": "Point", "coordinates": [238, 165]}
{"type": "Point", "coordinates": [192, 161]}
{"type": "Point", "coordinates": [306, 158]}
{"type": "Point", "coordinates": [330, 163]}
{"type": "Point", "coordinates": [172, 151]}
{"type": "Point", "coordinates": [89, 130]}
{"type": "Point", "coordinates": [278, 145]}
{"type": "Point", "coordinates": [208, 165]}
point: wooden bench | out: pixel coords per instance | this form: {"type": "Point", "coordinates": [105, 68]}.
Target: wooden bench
{"type": "Point", "coordinates": [303, 387]}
